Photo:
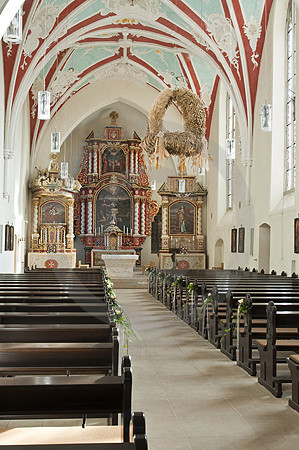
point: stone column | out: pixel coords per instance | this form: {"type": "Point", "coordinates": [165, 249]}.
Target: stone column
{"type": "Point", "coordinates": [131, 161]}
{"type": "Point", "coordinates": [90, 159]}
{"type": "Point", "coordinates": [164, 223]}
{"type": "Point", "coordinates": [70, 234]}
{"type": "Point", "coordinates": [200, 239]}
{"type": "Point", "coordinates": [35, 215]}
{"type": "Point", "coordinates": [89, 215]}
{"type": "Point", "coordinates": [83, 220]}
{"type": "Point", "coordinates": [8, 154]}
{"type": "Point", "coordinates": [136, 216]}
{"type": "Point", "coordinates": [95, 160]}
{"type": "Point", "coordinates": [142, 218]}
{"type": "Point", "coordinates": [35, 235]}
{"type": "Point", "coordinates": [136, 161]}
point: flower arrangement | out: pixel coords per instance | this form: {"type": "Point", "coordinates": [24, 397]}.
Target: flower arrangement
{"type": "Point", "coordinates": [119, 314]}
{"type": "Point", "coordinates": [243, 308]}
{"type": "Point", "coordinates": [208, 300]}
{"type": "Point", "coordinates": [183, 249]}
{"type": "Point", "coordinates": [51, 248]}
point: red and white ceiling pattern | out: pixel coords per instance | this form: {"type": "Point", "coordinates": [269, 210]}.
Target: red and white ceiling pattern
{"type": "Point", "coordinates": [160, 43]}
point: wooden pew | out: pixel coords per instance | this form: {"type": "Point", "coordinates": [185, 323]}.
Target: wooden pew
{"type": "Point", "coordinates": [57, 333]}
{"type": "Point", "coordinates": [293, 362]}
{"type": "Point", "coordinates": [59, 358]}
{"type": "Point", "coordinates": [139, 438]}
{"type": "Point", "coordinates": [139, 441]}
{"type": "Point", "coordinates": [54, 318]}
{"type": "Point", "coordinates": [250, 331]}
{"type": "Point", "coordinates": [269, 347]}
{"type": "Point", "coordinates": [62, 396]}
{"type": "Point", "coordinates": [55, 307]}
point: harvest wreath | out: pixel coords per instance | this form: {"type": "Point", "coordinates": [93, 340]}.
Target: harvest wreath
{"type": "Point", "coordinates": [189, 143]}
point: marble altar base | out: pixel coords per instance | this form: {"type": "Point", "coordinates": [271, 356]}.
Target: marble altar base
{"type": "Point", "coordinates": [120, 266]}
{"type": "Point", "coordinates": [52, 260]}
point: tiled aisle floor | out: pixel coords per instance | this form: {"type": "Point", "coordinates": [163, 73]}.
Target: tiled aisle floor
{"type": "Point", "coordinates": [192, 395]}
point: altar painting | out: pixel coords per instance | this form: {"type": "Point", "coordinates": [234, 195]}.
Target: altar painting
{"type": "Point", "coordinates": [113, 207]}
{"type": "Point", "coordinates": [181, 218]}
{"type": "Point", "coordinates": [53, 212]}
{"type": "Point", "coordinates": [113, 160]}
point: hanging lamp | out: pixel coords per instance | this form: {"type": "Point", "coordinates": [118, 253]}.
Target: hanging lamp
{"type": "Point", "coordinates": [13, 34]}
{"type": "Point", "coordinates": [55, 142]}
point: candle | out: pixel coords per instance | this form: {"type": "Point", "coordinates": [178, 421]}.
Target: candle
{"type": "Point", "coordinates": [124, 229]}
{"type": "Point", "coordinates": [102, 228]}
{"type": "Point", "coordinates": [131, 232]}
{"type": "Point", "coordinates": [193, 238]}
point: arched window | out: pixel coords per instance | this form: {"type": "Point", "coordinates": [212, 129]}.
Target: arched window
{"type": "Point", "coordinates": [230, 134]}
{"type": "Point", "coordinates": [290, 154]}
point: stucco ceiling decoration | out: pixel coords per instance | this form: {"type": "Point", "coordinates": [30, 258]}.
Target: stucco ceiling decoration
{"type": "Point", "coordinates": [161, 43]}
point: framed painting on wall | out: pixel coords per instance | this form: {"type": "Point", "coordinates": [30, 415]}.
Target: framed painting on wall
{"type": "Point", "coordinates": [12, 237]}
{"type": "Point", "coordinates": [296, 235]}
{"type": "Point", "coordinates": [7, 238]}
{"type": "Point", "coordinates": [53, 212]}
{"type": "Point", "coordinates": [234, 240]}
{"type": "Point", "coordinates": [182, 218]}
{"type": "Point", "coordinates": [241, 240]}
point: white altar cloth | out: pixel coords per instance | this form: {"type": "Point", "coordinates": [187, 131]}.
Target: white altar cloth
{"type": "Point", "coordinates": [120, 266]}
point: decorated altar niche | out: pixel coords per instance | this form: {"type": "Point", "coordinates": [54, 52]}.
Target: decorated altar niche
{"type": "Point", "coordinates": [113, 210]}
{"type": "Point", "coordinates": [52, 238]}
{"type": "Point", "coordinates": [182, 237]}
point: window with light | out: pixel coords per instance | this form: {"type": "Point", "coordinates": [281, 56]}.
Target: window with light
{"type": "Point", "coordinates": [230, 134]}
{"type": "Point", "coordinates": [290, 151]}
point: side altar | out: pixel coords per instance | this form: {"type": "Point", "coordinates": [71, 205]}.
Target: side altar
{"type": "Point", "coordinates": [113, 210]}
{"type": "Point", "coordinates": [182, 236]}
{"type": "Point", "coordinates": [52, 238]}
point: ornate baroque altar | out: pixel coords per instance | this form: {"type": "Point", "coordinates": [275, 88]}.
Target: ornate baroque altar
{"type": "Point", "coordinates": [113, 209]}
{"type": "Point", "coordinates": [52, 238]}
{"type": "Point", "coordinates": [182, 200]}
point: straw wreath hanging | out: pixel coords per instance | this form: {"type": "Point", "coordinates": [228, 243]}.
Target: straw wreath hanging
{"type": "Point", "coordinates": [189, 143]}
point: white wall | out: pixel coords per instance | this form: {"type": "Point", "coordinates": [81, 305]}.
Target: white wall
{"type": "Point", "coordinates": [268, 203]}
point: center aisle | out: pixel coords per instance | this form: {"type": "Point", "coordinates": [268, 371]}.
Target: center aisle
{"type": "Point", "coordinates": [192, 395]}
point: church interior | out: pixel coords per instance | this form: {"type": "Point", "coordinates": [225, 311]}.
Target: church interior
{"type": "Point", "coordinates": [148, 208]}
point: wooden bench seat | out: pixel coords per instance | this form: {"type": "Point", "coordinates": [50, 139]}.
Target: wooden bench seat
{"type": "Point", "coordinates": [54, 307]}
{"type": "Point", "coordinates": [54, 318]}
{"type": "Point", "coordinates": [62, 396]}
{"type": "Point", "coordinates": [269, 347]}
{"type": "Point", "coordinates": [138, 441]}
{"type": "Point", "coordinates": [44, 333]}
{"type": "Point", "coordinates": [293, 363]}
{"type": "Point", "coordinates": [58, 358]}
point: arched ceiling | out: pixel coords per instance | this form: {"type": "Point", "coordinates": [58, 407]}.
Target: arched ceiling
{"type": "Point", "coordinates": [159, 43]}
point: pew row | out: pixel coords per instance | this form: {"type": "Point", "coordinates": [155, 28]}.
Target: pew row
{"type": "Point", "coordinates": [54, 358]}
{"type": "Point", "coordinates": [270, 347]}
{"type": "Point", "coordinates": [62, 396]}
{"type": "Point", "coordinates": [139, 441]}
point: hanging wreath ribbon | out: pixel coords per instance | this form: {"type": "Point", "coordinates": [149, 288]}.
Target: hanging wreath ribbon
{"type": "Point", "coordinates": [189, 143]}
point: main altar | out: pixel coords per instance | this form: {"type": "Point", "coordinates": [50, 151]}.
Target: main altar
{"type": "Point", "coordinates": [113, 210]}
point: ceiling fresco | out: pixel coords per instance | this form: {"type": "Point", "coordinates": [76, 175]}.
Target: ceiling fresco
{"type": "Point", "coordinates": [69, 45]}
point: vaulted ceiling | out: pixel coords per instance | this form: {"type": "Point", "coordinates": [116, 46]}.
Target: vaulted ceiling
{"type": "Point", "coordinates": [155, 43]}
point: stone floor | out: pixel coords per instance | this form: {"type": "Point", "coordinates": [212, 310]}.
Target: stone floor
{"type": "Point", "coordinates": [192, 395]}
